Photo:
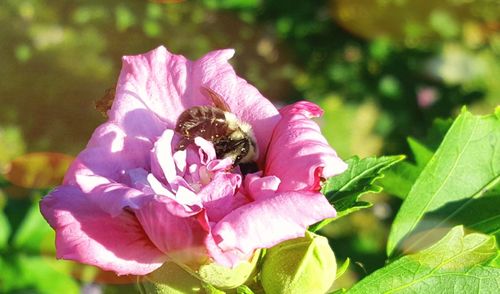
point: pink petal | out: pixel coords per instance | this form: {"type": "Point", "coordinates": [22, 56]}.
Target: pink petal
{"type": "Point", "coordinates": [219, 196]}
{"type": "Point", "coordinates": [186, 197]}
{"type": "Point", "coordinates": [138, 179]}
{"type": "Point", "coordinates": [114, 197]}
{"type": "Point", "coordinates": [220, 165]}
{"type": "Point", "coordinates": [99, 169]}
{"type": "Point", "coordinates": [158, 188]}
{"type": "Point", "coordinates": [162, 160]}
{"type": "Point", "coordinates": [152, 87]}
{"type": "Point", "coordinates": [206, 151]}
{"type": "Point", "coordinates": [260, 188]}
{"type": "Point", "coordinates": [227, 258]}
{"type": "Point", "coordinates": [243, 99]}
{"type": "Point", "coordinates": [177, 232]}
{"type": "Point", "coordinates": [265, 223]}
{"type": "Point", "coordinates": [156, 87]}
{"type": "Point", "coordinates": [86, 234]}
{"type": "Point", "coordinates": [193, 156]}
{"type": "Point", "coordinates": [305, 108]}
{"type": "Point", "coordinates": [180, 158]}
{"type": "Point", "coordinates": [109, 154]}
{"type": "Point", "coordinates": [298, 153]}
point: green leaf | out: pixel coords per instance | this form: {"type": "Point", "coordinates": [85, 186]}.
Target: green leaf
{"type": "Point", "coordinates": [344, 190]}
{"type": "Point", "coordinates": [481, 215]}
{"type": "Point", "coordinates": [243, 289]}
{"type": "Point", "coordinates": [466, 164]}
{"type": "Point", "coordinates": [436, 133]}
{"type": "Point", "coordinates": [495, 262]}
{"type": "Point", "coordinates": [343, 268]}
{"type": "Point", "coordinates": [232, 4]}
{"type": "Point", "coordinates": [209, 289]}
{"type": "Point", "coordinates": [34, 234]}
{"type": "Point", "coordinates": [4, 222]}
{"type": "Point", "coordinates": [456, 264]}
{"type": "Point", "coordinates": [4, 230]}
{"type": "Point", "coordinates": [399, 179]}
{"type": "Point", "coordinates": [421, 152]}
{"type": "Point", "coordinates": [495, 191]}
{"type": "Point", "coordinates": [478, 215]}
{"type": "Point", "coordinates": [23, 274]}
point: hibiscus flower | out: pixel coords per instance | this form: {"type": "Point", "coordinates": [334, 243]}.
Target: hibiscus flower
{"type": "Point", "coordinates": [133, 200]}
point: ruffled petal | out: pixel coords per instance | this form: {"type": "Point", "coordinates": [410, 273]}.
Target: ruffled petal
{"type": "Point", "coordinates": [109, 154]}
{"type": "Point", "coordinates": [227, 258]}
{"type": "Point", "coordinates": [86, 234]}
{"type": "Point", "coordinates": [298, 153]}
{"type": "Point", "coordinates": [176, 231]}
{"type": "Point", "coordinates": [103, 166]}
{"type": "Point", "coordinates": [114, 197]}
{"type": "Point", "coordinates": [156, 87]}
{"type": "Point", "coordinates": [243, 99]}
{"type": "Point", "coordinates": [260, 188]}
{"type": "Point", "coordinates": [219, 196]}
{"type": "Point", "coordinates": [153, 89]}
{"type": "Point", "coordinates": [265, 223]}
{"type": "Point", "coordinates": [162, 160]}
{"type": "Point", "coordinates": [206, 151]}
{"type": "Point", "coordinates": [137, 178]}
{"type": "Point", "coordinates": [158, 188]}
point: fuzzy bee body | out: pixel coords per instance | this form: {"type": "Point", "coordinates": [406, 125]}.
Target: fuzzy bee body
{"type": "Point", "coordinates": [230, 137]}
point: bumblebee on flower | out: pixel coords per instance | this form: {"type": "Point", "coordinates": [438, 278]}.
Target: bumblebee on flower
{"type": "Point", "coordinates": [231, 138]}
{"type": "Point", "coordinates": [162, 178]}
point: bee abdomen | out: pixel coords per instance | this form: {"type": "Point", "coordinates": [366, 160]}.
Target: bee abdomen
{"type": "Point", "coordinates": [202, 121]}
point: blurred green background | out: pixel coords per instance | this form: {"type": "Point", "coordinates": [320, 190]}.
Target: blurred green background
{"type": "Point", "coordinates": [383, 70]}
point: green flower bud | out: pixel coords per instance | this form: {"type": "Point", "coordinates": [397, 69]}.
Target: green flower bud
{"type": "Point", "coordinates": [206, 278]}
{"type": "Point", "coordinates": [302, 265]}
{"type": "Point", "coordinates": [228, 278]}
{"type": "Point", "coordinates": [170, 279]}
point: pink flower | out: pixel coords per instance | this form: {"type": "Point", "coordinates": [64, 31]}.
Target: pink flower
{"type": "Point", "coordinates": [132, 199]}
{"type": "Point", "coordinates": [427, 96]}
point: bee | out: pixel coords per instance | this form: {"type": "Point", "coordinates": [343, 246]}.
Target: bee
{"type": "Point", "coordinates": [230, 136]}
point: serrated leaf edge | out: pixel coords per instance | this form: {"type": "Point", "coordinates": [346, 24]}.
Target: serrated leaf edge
{"type": "Point", "coordinates": [393, 159]}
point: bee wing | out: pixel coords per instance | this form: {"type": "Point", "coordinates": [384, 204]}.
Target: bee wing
{"type": "Point", "coordinates": [216, 98]}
